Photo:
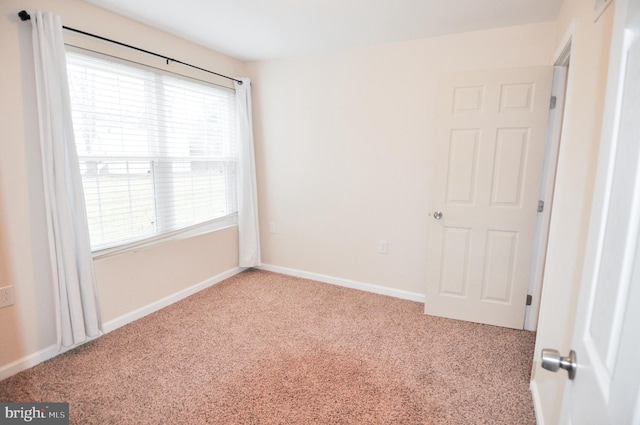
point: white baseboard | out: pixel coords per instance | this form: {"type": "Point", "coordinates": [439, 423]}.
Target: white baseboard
{"type": "Point", "coordinates": [52, 351]}
{"type": "Point", "coordinates": [29, 361]}
{"type": "Point", "coordinates": [537, 407]}
{"type": "Point", "coordinates": [367, 287]}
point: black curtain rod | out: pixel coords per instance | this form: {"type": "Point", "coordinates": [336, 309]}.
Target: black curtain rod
{"type": "Point", "coordinates": [25, 17]}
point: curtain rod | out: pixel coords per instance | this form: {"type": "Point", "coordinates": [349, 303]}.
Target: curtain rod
{"type": "Point", "coordinates": [24, 16]}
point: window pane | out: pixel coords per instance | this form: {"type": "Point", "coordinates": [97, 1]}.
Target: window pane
{"type": "Point", "coordinates": [201, 190]}
{"type": "Point", "coordinates": [157, 152]}
{"type": "Point", "coordinates": [120, 200]}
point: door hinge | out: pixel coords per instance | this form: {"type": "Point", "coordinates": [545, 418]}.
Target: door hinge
{"type": "Point", "coordinates": [552, 104]}
{"type": "Point", "coordinates": [540, 206]}
{"type": "Point", "coordinates": [529, 299]}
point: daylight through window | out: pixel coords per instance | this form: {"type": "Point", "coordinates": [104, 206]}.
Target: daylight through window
{"type": "Point", "coordinates": [157, 152]}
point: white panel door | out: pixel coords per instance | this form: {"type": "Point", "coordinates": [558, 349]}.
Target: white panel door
{"type": "Point", "coordinates": [492, 128]}
{"type": "Point", "coordinates": [606, 388]}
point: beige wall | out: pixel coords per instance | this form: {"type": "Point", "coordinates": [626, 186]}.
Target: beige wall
{"type": "Point", "coordinates": [126, 282]}
{"type": "Point", "coordinates": [573, 192]}
{"type": "Point", "coordinates": [129, 281]}
{"type": "Point", "coordinates": [343, 143]}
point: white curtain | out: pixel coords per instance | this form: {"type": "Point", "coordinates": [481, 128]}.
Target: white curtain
{"type": "Point", "coordinates": [249, 234]}
{"type": "Point", "coordinates": [76, 306]}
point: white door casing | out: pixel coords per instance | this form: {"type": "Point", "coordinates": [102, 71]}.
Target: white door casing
{"type": "Point", "coordinates": [492, 128]}
{"type": "Point", "coordinates": [606, 388]}
{"type": "Point", "coordinates": [547, 185]}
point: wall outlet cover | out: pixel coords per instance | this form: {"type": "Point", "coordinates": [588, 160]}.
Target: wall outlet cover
{"type": "Point", "coordinates": [6, 296]}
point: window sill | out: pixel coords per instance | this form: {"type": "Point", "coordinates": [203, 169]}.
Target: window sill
{"type": "Point", "coordinates": [197, 230]}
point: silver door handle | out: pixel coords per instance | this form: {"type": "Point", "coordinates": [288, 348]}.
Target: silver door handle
{"type": "Point", "coordinates": [552, 360]}
{"type": "Point", "coordinates": [437, 215]}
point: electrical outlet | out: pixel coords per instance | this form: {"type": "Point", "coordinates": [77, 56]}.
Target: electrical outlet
{"type": "Point", "coordinates": [272, 227]}
{"type": "Point", "coordinates": [383, 247]}
{"type": "Point", "coordinates": [6, 296]}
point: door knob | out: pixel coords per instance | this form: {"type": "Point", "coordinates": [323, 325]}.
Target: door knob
{"type": "Point", "coordinates": [437, 215]}
{"type": "Point", "coordinates": [552, 360]}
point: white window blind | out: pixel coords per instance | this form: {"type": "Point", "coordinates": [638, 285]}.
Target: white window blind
{"type": "Point", "coordinates": [157, 152]}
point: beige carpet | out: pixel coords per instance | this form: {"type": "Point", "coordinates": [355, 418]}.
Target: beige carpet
{"type": "Point", "coordinates": [262, 348]}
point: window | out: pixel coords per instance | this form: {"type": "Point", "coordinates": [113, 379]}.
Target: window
{"type": "Point", "coordinates": [157, 151]}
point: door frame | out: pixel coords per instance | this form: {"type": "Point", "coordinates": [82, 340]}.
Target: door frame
{"type": "Point", "coordinates": [552, 154]}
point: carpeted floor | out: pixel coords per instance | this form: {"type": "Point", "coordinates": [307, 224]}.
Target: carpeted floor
{"type": "Point", "coordinates": [263, 348]}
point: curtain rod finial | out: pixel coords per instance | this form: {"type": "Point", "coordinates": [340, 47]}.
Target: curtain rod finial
{"type": "Point", "coordinates": [24, 15]}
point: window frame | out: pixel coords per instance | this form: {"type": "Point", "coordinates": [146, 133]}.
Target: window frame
{"type": "Point", "coordinates": [209, 226]}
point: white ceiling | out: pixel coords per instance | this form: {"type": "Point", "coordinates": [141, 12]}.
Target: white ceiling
{"type": "Point", "coordinates": [265, 29]}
